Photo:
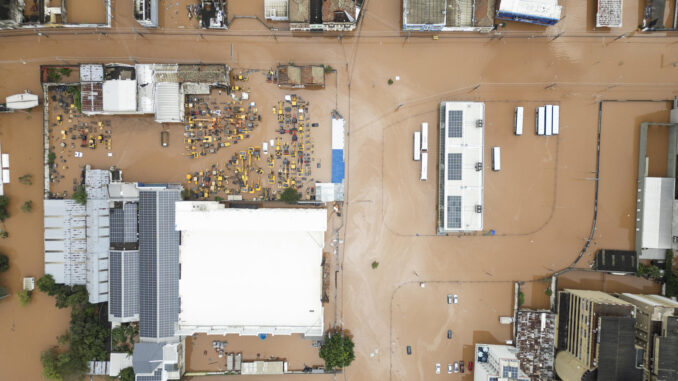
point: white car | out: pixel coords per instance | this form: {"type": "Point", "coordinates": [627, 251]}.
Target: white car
{"type": "Point", "coordinates": [449, 368]}
{"type": "Point", "coordinates": [437, 368]}
{"type": "Point", "coordinates": [78, 154]}
{"type": "Point", "coordinates": [264, 147]}
{"type": "Point", "coordinates": [456, 299]}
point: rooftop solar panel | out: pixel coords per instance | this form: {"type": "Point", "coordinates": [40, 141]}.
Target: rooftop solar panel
{"type": "Point", "coordinates": [454, 166]}
{"type": "Point", "coordinates": [454, 123]}
{"type": "Point", "coordinates": [115, 292]}
{"type": "Point", "coordinates": [454, 212]}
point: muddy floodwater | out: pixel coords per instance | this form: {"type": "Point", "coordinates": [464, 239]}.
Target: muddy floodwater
{"type": "Point", "coordinates": [541, 204]}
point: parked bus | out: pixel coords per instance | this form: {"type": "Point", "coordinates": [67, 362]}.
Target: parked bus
{"type": "Point", "coordinates": [424, 166]}
{"type": "Point", "coordinates": [496, 158]}
{"type": "Point", "coordinates": [549, 120]}
{"type": "Point", "coordinates": [541, 127]}
{"type": "Point", "coordinates": [556, 119]}
{"type": "Point", "coordinates": [424, 137]}
{"type": "Point", "coordinates": [518, 121]}
{"type": "Point", "coordinates": [417, 145]}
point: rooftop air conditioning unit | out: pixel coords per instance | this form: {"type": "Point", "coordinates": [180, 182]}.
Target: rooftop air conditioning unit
{"type": "Point", "coordinates": [479, 208]}
{"type": "Point", "coordinates": [480, 123]}
{"type": "Point", "coordinates": [479, 166]}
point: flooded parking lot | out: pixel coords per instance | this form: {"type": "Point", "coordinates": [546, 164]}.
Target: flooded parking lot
{"type": "Point", "coordinates": [387, 205]}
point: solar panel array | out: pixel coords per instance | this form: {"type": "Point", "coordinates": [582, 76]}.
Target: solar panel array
{"type": "Point", "coordinates": [454, 212]}
{"type": "Point", "coordinates": [157, 376]}
{"type": "Point", "coordinates": [454, 166]}
{"type": "Point", "coordinates": [117, 225]}
{"type": "Point", "coordinates": [454, 123]}
{"type": "Point", "coordinates": [115, 278]}
{"type": "Point", "coordinates": [131, 283]}
{"type": "Point", "coordinates": [131, 219]}
{"type": "Point", "coordinates": [148, 255]}
{"type": "Point", "coordinates": [158, 263]}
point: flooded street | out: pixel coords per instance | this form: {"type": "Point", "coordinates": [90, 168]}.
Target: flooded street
{"type": "Point", "coordinates": [540, 203]}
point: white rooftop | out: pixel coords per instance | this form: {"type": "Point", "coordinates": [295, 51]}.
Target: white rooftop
{"type": "Point", "coordinates": [120, 96]}
{"type": "Point", "coordinates": [250, 271]}
{"type": "Point", "coordinates": [657, 213]}
{"type": "Point", "coordinates": [462, 186]}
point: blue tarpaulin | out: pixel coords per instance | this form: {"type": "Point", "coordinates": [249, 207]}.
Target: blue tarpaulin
{"type": "Point", "coordinates": [337, 165]}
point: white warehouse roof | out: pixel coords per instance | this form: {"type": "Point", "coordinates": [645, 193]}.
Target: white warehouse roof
{"type": "Point", "coordinates": [120, 96]}
{"type": "Point", "coordinates": [461, 166]}
{"type": "Point", "coordinates": [250, 271]}
{"type": "Point", "coordinates": [657, 213]}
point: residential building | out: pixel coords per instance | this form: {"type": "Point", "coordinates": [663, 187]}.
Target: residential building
{"type": "Point", "coordinates": [319, 15]}
{"type": "Point", "coordinates": [654, 316]}
{"type": "Point", "coordinates": [146, 12]}
{"type": "Point", "coordinates": [497, 362]}
{"type": "Point", "coordinates": [460, 166]}
{"type": "Point", "coordinates": [270, 270]}
{"type": "Point", "coordinates": [535, 341]}
{"type": "Point", "coordinates": [448, 15]}
{"type": "Point", "coordinates": [595, 337]}
{"type": "Point", "coordinates": [301, 77]}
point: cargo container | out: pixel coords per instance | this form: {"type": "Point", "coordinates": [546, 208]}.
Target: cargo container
{"type": "Point", "coordinates": [424, 137]}
{"type": "Point", "coordinates": [541, 127]}
{"type": "Point", "coordinates": [556, 119]}
{"type": "Point", "coordinates": [549, 120]}
{"type": "Point", "coordinates": [518, 123]}
{"type": "Point", "coordinates": [417, 146]}
{"type": "Point", "coordinates": [496, 158]}
{"type": "Point", "coordinates": [424, 166]}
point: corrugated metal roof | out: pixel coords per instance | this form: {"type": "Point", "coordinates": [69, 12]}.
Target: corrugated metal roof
{"type": "Point", "coordinates": [418, 12]}
{"type": "Point", "coordinates": [168, 102]}
{"type": "Point", "coordinates": [65, 241]}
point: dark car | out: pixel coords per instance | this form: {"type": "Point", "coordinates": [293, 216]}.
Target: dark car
{"type": "Point", "coordinates": [449, 333]}
{"type": "Point", "coordinates": [314, 124]}
{"type": "Point", "coordinates": [461, 366]}
{"type": "Point", "coordinates": [164, 138]}
{"type": "Point", "coordinates": [409, 350]}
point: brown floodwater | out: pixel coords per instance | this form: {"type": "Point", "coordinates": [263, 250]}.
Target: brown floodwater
{"type": "Point", "coordinates": [540, 204]}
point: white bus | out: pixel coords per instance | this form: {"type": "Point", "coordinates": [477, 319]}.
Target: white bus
{"type": "Point", "coordinates": [556, 119]}
{"type": "Point", "coordinates": [424, 137]}
{"type": "Point", "coordinates": [541, 127]}
{"type": "Point", "coordinates": [549, 120]}
{"type": "Point", "coordinates": [417, 145]}
{"type": "Point", "coordinates": [424, 166]}
{"type": "Point", "coordinates": [518, 121]}
{"type": "Point", "coordinates": [496, 158]}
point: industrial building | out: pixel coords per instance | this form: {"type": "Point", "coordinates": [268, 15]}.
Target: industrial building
{"type": "Point", "coordinates": [460, 166]}
{"type": "Point", "coordinates": [448, 15]}
{"type": "Point", "coordinates": [656, 332]}
{"type": "Point", "coordinates": [595, 337]}
{"type": "Point", "coordinates": [497, 362]}
{"type": "Point", "coordinates": [158, 89]}
{"type": "Point", "coordinates": [539, 12]}
{"type": "Point", "coordinates": [535, 341]}
{"type": "Point", "coordinates": [616, 261]}
{"type": "Point", "coordinates": [267, 262]}
{"type": "Point", "coordinates": [657, 203]}
{"type": "Point", "coordinates": [609, 13]}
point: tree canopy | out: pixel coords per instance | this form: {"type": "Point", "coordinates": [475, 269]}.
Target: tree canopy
{"type": "Point", "coordinates": [127, 374]}
{"type": "Point", "coordinates": [4, 202]}
{"type": "Point", "coordinates": [337, 351]}
{"type": "Point", "coordinates": [4, 263]}
{"type": "Point", "coordinates": [290, 195]}
{"type": "Point", "coordinates": [80, 195]}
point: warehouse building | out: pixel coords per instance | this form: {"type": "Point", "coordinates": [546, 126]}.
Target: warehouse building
{"type": "Point", "coordinates": [657, 202]}
{"type": "Point", "coordinates": [448, 15]}
{"type": "Point", "coordinates": [460, 166]}
{"type": "Point", "coordinates": [266, 262]}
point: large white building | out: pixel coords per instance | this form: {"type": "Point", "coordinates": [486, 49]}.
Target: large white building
{"type": "Point", "coordinates": [497, 362]}
{"type": "Point", "coordinates": [250, 271]}
{"type": "Point", "coordinates": [460, 165]}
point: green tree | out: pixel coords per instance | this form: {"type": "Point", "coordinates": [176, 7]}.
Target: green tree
{"type": "Point", "coordinates": [50, 364]}
{"type": "Point", "coordinates": [127, 374]}
{"type": "Point", "coordinates": [548, 292]}
{"type": "Point", "coordinates": [80, 195]}
{"type": "Point", "coordinates": [521, 298]}
{"type": "Point", "coordinates": [4, 263]}
{"type": "Point", "coordinates": [26, 179]}
{"type": "Point", "coordinates": [375, 264]}
{"type": "Point", "coordinates": [27, 206]}
{"type": "Point", "coordinates": [290, 195]}
{"type": "Point", "coordinates": [337, 351]}
{"type": "Point", "coordinates": [390, 81]}
{"type": "Point", "coordinates": [24, 297]}
{"type": "Point", "coordinates": [51, 157]}
{"type": "Point", "coordinates": [47, 284]}
{"type": "Point", "coordinates": [4, 202]}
